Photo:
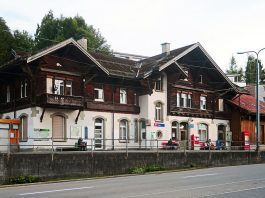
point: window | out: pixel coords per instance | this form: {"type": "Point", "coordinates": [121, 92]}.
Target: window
{"type": "Point", "coordinates": [69, 90]}
{"type": "Point", "coordinates": [135, 99]}
{"type": "Point", "coordinates": [203, 132]}
{"type": "Point", "coordinates": [136, 131]}
{"type": "Point", "coordinates": [221, 132]}
{"type": "Point", "coordinates": [8, 94]}
{"type": "Point", "coordinates": [203, 102]}
{"type": "Point", "coordinates": [98, 92]}
{"type": "Point", "coordinates": [23, 129]}
{"type": "Point", "coordinates": [158, 111]}
{"type": "Point", "coordinates": [123, 96]}
{"type": "Point", "coordinates": [124, 133]}
{"type": "Point", "coordinates": [174, 130]}
{"type": "Point", "coordinates": [99, 132]}
{"type": "Point", "coordinates": [184, 100]}
{"type": "Point", "coordinates": [23, 88]}
{"type": "Point", "coordinates": [143, 129]}
{"type": "Point", "coordinates": [200, 78]}
{"type": "Point", "coordinates": [58, 128]}
{"type": "Point", "coordinates": [220, 104]}
{"type": "Point", "coordinates": [58, 87]}
{"type": "Point", "coordinates": [158, 84]}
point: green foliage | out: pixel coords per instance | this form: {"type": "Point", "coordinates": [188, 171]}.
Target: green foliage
{"type": "Point", "coordinates": [23, 179]}
{"type": "Point", "coordinates": [5, 42]}
{"type": "Point", "coordinates": [54, 29]}
{"type": "Point", "coordinates": [145, 169]}
{"type": "Point", "coordinates": [233, 69]}
{"type": "Point", "coordinates": [22, 41]}
{"type": "Point", "coordinates": [250, 73]}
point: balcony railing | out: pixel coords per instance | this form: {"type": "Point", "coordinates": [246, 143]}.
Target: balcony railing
{"type": "Point", "coordinates": [15, 104]}
{"type": "Point", "coordinates": [61, 100]}
{"type": "Point", "coordinates": [101, 106]}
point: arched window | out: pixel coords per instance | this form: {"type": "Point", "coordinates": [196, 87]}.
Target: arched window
{"type": "Point", "coordinates": [23, 129]}
{"type": "Point", "coordinates": [136, 131]}
{"type": "Point", "coordinates": [221, 132]}
{"type": "Point", "coordinates": [158, 112]}
{"type": "Point", "coordinates": [58, 128]}
{"type": "Point", "coordinates": [124, 130]}
{"type": "Point", "coordinates": [203, 132]}
{"type": "Point", "coordinates": [174, 130]}
{"type": "Point", "coordinates": [99, 133]}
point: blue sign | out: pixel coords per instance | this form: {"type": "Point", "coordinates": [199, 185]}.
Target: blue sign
{"type": "Point", "coordinates": [159, 124]}
{"type": "Point", "coordinates": [191, 126]}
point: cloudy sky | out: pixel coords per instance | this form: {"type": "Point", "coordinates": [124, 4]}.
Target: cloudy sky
{"type": "Point", "coordinates": [223, 27]}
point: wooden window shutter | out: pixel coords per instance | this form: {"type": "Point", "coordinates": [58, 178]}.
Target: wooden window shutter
{"type": "Point", "coordinates": [58, 127]}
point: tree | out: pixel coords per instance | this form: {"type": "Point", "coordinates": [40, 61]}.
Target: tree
{"type": "Point", "coordinates": [233, 69]}
{"type": "Point", "coordinates": [52, 30]}
{"type": "Point", "coordinates": [22, 41]}
{"type": "Point", "coordinates": [250, 73]}
{"type": "Point", "coordinates": [5, 42]}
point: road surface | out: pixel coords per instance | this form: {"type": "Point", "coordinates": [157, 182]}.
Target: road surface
{"type": "Point", "coordinates": [236, 181]}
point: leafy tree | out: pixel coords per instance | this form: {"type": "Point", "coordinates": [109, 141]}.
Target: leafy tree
{"type": "Point", "coordinates": [22, 41]}
{"type": "Point", "coordinates": [5, 42]}
{"type": "Point", "coordinates": [233, 69]}
{"type": "Point", "coordinates": [53, 30]}
{"type": "Point", "coordinates": [250, 73]}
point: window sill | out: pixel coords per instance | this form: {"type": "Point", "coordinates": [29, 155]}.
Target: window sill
{"type": "Point", "coordinates": [98, 100]}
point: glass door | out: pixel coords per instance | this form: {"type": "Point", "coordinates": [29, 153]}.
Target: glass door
{"type": "Point", "coordinates": [98, 134]}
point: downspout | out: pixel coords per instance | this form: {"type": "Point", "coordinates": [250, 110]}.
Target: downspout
{"type": "Point", "coordinates": [113, 141]}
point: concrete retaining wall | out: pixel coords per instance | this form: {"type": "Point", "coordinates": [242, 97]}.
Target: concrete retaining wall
{"type": "Point", "coordinates": [83, 164]}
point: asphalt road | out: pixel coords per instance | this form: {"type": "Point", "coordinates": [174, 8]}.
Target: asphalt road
{"type": "Point", "coordinates": [236, 181]}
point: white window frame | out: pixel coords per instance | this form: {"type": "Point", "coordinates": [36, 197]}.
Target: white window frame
{"type": "Point", "coordinates": [23, 131]}
{"type": "Point", "coordinates": [100, 93]}
{"type": "Point", "coordinates": [221, 104]}
{"type": "Point", "coordinates": [69, 84]}
{"type": "Point", "coordinates": [58, 84]}
{"type": "Point", "coordinates": [8, 95]}
{"type": "Point", "coordinates": [184, 100]}
{"type": "Point", "coordinates": [124, 130]}
{"type": "Point", "coordinates": [202, 102]}
{"type": "Point", "coordinates": [123, 96]}
{"type": "Point", "coordinates": [158, 112]}
{"type": "Point", "coordinates": [203, 132]}
{"type": "Point", "coordinates": [158, 84]}
{"type": "Point", "coordinates": [23, 89]}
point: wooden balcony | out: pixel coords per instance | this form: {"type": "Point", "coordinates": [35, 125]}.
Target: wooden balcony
{"type": "Point", "coordinates": [61, 101]}
{"type": "Point", "coordinates": [123, 108]}
{"type": "Point", "coordinates": [15, 105]}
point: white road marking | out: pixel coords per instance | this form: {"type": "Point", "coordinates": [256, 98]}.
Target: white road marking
{"type": "Point", "coordinates": [229, 192]}
{"type": "Point", "coordinates": [195, 188]}
{"type": "Point", "coordinates": [210, 174]}
{"type": "Point", "coordinates": [60, 190]}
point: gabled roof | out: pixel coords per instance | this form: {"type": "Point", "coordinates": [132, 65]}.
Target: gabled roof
{"type": "Point", "coordinates": [61, 45]}
{"type": "Point", "coordinates": [162, 61]}
{"type": "Point", "coordinates": [248, 103]}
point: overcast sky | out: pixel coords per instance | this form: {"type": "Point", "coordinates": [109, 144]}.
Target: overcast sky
{"type": "Point", "coordinates": [223, 27]}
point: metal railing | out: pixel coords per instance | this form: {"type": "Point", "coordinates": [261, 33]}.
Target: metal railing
{"type": "Point", "coordinates": [118, 145]}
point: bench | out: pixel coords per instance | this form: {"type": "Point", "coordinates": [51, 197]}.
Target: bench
{"type": "Point", "coordinates": [75, 148]}
{"type": "Point", "coordinates": [173, 145]}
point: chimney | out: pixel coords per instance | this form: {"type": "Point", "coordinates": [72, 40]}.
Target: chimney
{"type": "Point", "coordinates": [165, 48]}
{"type": "Point", "coordinates": [83, 42]}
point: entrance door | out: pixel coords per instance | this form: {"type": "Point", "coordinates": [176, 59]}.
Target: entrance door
{"type": "Point", "coordinates": [99, 133]}
{"type": "Point", "coordinates": [183, 130]}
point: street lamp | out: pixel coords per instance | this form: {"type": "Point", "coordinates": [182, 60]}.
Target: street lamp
{"type": "Point", "coordinates": [257, 96]}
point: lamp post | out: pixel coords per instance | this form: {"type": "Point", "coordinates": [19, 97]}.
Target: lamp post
{"type": "Point", "coordinates": [257, 97]}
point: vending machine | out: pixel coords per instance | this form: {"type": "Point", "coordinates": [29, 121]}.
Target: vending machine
{"type": "Point", "coordinates": [195, 142]}
{"type": "Point", "coordinates": [245, 138]}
